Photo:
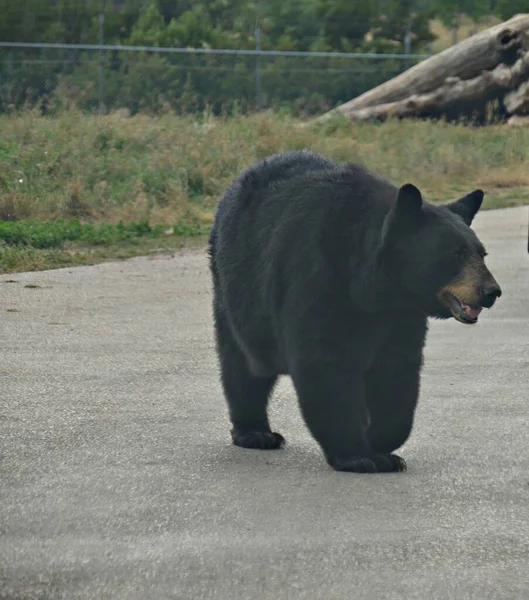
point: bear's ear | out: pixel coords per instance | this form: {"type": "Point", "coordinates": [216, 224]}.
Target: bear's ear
{"type": "Point", "coordinates": [468, 206]}
{"type": "Point", "coordinates": [409, 201]}
{"type": "Point", "coordinates": [404, 216]}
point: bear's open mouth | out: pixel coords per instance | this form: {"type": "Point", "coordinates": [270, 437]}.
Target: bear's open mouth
{"type": "Point", "coordinates": [461, 311]}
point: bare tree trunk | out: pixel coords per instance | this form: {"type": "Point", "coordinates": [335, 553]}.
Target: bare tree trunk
{"type": "Point", "coordinates": [473, 58]}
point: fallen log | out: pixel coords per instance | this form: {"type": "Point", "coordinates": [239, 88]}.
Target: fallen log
{"type": "Point", "coordinates": [455, 98]}
{"type": "Point", "coordinates": [444, 75]}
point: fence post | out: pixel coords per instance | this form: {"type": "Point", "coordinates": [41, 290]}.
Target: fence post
{"type": "Point", "coordinates": [101, 71]}
{"type": "Point", "coordinates": [407, 39]}
{"type": "Point", "coordinates": [258, 90]}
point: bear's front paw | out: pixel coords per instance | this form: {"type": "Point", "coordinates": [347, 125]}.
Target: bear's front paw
{"type": "Point", "coordinates": [374, 463]}
{"type": "Point", "coordinates": [259, 440]}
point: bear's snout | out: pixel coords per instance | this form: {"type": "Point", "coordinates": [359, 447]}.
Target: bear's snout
{"type": "Point", "coordinates": [491, 292]}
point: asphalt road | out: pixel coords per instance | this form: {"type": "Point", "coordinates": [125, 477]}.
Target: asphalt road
{"type": "Point", "coordinates": [118, 480]}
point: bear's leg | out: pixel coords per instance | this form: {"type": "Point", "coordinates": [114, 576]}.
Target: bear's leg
{"type": "Point", "coordinates": [392, 385]}
{"type": "Point", "coordinates": [392, 398]}
{"type": "Point", "coordinates": [247, 395]}
{"type": "Point", "coordinates": [332, 399]}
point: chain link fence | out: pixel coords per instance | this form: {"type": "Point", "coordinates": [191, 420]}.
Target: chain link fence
{"type": "Point", "coordinates": [153, 80]}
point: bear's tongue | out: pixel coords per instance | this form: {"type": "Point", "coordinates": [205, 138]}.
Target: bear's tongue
{"type": "Point", "coordinates": [471, 311]}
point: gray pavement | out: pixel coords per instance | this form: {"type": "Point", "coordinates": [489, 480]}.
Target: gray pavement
{"type": "Point", "coordinates": [118, 480]}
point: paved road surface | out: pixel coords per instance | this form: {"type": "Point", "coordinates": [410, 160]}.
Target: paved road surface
{"type": "Point", "coordinates": [118, 480]}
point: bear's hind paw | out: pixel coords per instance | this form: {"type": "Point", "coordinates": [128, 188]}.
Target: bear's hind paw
{"type": "Point", "coordinates": [374, 463]}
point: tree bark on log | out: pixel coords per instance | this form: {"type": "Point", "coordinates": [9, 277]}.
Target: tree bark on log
{"type": "Point", "coordinates": [462, 70]}
{"type": "Point", "coordinates": [517, 101]}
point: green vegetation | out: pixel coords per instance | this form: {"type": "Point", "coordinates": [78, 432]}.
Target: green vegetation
{"type": "Point", "coordinates": [188, 83]}
{"type": "Point", "coordinates": [32, 244]}
{"type": "Point", "coordinates": [54, 234]}
{"type": "Point", "coordinates": [337, 25]}
{"type": "Point", "coordinates": [78, 189]}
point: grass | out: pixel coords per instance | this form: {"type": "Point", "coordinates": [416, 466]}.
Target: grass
{"type": "Point", "coordinates": [55, 234]}
{"type": "Point", "coordinates": [24, 259]}
{"type": "Point", "coordinates": [78, 189]}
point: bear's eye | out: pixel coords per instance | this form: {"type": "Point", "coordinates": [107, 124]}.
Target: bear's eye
{"type": "Point", "coordinates": [460, 252]}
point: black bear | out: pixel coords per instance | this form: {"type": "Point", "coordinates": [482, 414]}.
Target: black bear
{"type": "Point", "coordinates": [327, 273]}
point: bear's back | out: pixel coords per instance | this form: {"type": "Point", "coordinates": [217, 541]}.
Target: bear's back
{"type": "Point", "coordinates": [300, 184]}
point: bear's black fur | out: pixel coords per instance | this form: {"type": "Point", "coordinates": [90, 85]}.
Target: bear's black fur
{"type": "Point", "coordinates": [327, 273]}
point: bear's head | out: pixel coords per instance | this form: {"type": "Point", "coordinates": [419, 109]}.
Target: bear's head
{"type": "Point", "coordinates": [433, 259]}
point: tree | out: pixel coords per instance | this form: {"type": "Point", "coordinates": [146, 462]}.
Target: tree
{"type": "Point", "coordinates": [191, 29]}
{"type": "Point", "coordinates": [380, 26]}
{"type": "Point", "coordinates": [506, 9]}
{"type": "Point", "coordinates": [293, 25]}
{"type": "Point", "coordinates": [396, 19]}
{"type": "Point", "coordinates": [25, 20]}
{"type": "Point", "coordinates": [73, 21]}
{"type": "Point", "coordinates": [345, 24]}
